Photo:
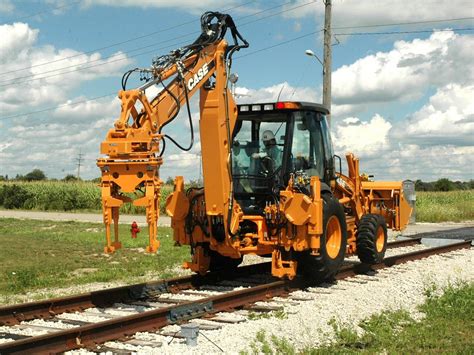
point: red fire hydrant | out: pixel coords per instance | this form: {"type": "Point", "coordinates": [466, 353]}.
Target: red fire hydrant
{"type": "Point", "coordinates": [134, 230]}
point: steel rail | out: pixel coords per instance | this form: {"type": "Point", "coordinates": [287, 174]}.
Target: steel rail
{"type": "Point", "coordinates": [403, 243]}
{"type": "Point", "coordinates": [353, 270]}
{"type": "Point", "coordinates": [118, 328]}
{"type": "Point", "coordinates": [14, 314]}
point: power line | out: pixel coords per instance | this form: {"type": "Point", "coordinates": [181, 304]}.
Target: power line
{"type": "Point", "coordinates": [348, 34]}
{"type": "Point", "coordinates": [185, 23]}
{"type": "Point", "coordinates": [404, 23]}
{"type": "Point", "coordinates": [117, 43]}
{"type": "Point", "coordinates": [402, 32]}
{"type": "Point", "coordinates": [246, 55]}
{"type": "Point", "coordinates": [13, 81]}
{"type": "Point", "coordinates": [278, 44]}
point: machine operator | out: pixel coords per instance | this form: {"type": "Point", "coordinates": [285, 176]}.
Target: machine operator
{"type": "Point", "coordinates": [270, 150]}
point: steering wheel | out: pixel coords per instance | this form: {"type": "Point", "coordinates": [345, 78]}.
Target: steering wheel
{"type": "Point", "coordinates": [268, 165]}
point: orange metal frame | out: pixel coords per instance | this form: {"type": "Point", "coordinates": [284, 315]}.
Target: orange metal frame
{"type": "Point", "coordinates": [132, 164]}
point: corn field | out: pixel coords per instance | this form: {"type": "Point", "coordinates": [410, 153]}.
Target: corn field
{"type": "Point", "coordinates": [61, 196]}
{"type": "Point", "coordinates": [439, 206]}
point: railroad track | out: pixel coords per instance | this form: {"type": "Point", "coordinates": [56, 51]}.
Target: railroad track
{"type": "Point", "coordinates": [163, 304]}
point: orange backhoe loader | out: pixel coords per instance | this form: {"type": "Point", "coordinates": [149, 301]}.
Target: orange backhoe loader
{"type": "Point", "coordinates": [271, 183]}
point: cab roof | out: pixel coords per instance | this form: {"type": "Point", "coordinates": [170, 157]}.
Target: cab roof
{"type": "Point", "coordinates": [281, 106]}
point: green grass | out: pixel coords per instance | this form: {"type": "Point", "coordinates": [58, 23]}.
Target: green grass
{"type": "Point", "coordinates": [446, 329]}
{"type": "Point", "coordinates": [45, 254]}
{"type": "Point", "coordinates": [454, 206]}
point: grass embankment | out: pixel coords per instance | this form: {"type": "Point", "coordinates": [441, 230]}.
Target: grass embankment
{"type": "Point", "coordinates": [62, 196]}
{"type": "Point", "coordinates": [447, 328]}
{"type": "Point", "coordinates": [453, 206]}
{"type": "Point", "coordinates": [44, 254]}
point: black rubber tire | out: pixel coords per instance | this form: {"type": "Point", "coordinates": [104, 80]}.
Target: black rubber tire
{"type": "Point", "coordinates": [223, 263]}
{"type": "Point", "coordinates": [366, 239]}
{"type": "Point", "coordinates": [322, 267]}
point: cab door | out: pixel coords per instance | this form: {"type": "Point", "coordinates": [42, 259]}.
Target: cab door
{"type": "Point", "coordinates": [307, 150]}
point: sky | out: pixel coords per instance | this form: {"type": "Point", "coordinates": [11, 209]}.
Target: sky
{"type": "Point", "coordinates": [402, 78]}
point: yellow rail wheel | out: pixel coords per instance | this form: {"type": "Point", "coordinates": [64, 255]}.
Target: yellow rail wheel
{"type": "Point", "coordinates": [323, 267]}
{"type": "Point", "coordinates": [371, 241]}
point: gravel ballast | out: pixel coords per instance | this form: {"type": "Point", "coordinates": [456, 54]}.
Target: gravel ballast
{"type": "Point", "coordinates": [306, 321]}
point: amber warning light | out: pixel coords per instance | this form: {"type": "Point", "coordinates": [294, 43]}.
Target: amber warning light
{"type": "Point", "coordinates": [287, 105]}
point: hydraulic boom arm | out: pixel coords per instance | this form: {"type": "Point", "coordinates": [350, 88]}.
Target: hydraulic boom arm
{"type": "Point", "coordinates": [135, 146]}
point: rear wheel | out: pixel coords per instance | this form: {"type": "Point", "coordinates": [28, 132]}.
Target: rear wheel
{"type": "Point", "coordinates": [333, 243]}
{"type": "Point", "coordinates": [371, 241]}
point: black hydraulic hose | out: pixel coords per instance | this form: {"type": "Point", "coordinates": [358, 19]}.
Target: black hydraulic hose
{"type": "Point", "coordinates": [187, 149]}
{"type": "Point", "coordinates": [178, 106]}
{"type": "Point", "coordinates": [126, 76]}
{"type": "Point", "coordinates": [162, 149]}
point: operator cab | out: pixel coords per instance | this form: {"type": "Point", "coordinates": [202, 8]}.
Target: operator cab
{"type": "Point", "coordinates": [273, 141]}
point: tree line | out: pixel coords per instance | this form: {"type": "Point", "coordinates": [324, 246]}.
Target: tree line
{"type": "Point", "coordinates": [443, 184]}
{"type": "Point", "coordinates": [39, 175]}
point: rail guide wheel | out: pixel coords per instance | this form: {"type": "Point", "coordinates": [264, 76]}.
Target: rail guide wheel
{"type": "Point", "coordinates": [371, 241]}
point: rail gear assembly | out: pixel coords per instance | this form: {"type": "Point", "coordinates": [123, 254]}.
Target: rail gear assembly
{"type": "Point", "coordinates": [271, 183]}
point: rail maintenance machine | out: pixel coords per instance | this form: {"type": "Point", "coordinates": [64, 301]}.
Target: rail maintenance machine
{"type": "Point", "coordinates": [272, 185]}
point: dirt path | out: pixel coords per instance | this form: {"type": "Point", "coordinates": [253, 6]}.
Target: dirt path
{"type": "Point", "coordinates": [164, 221]}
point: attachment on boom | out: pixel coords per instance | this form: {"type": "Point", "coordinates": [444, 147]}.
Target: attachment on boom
{"type": "Point", "coordinates": [135, 145]}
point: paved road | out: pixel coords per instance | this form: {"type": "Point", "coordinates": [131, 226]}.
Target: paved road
{"type": "Point", "coordinates": [78, 217]}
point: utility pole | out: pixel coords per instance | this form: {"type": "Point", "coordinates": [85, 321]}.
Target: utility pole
{"type": "Point", "coordinates": [327, 59]}
{"type": "Point", "coordinates": [79, 161]}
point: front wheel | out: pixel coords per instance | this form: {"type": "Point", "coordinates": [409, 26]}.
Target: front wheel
{"type": "Point", "coordinates": [333, 242]}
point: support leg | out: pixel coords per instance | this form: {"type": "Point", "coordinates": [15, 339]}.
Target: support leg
{"type": "Point", "coordinates": [115, 216]}
{"type": "Point", "coordinates": [109, 248]}
{"type": "Point", "coordinates": [110, 210]}
{"type": "Point", "coordinates": [152, 218]}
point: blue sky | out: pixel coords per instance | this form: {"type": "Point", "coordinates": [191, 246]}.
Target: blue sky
{"type": "Point", "coordinates": [403, 102]}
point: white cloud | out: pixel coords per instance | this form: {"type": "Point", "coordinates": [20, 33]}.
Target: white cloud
{"type": "Point", "coordinates": [435, 141]}
{"type": "Point", "coordinates": [447, 118]}
{"type": "Point", "coordinates": [16, 40]}
{"type": "Point", "coordinates": [60, 134]}
{"type": "Point", "coordinates": [404, 73]}
{"type": "Point", "coordinates": [383, 151]}
{"type": "Point", "coordinates": [363, 137]}
{"type": "Point", "coordinates": [39, 85]}
{"type": "Point", "coordinates": [92, 110]}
